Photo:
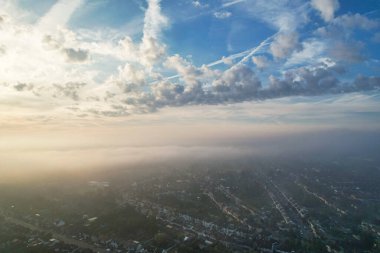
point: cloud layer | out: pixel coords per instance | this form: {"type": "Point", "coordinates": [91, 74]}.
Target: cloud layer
{"type": "Point", "coordinates": [83, 73]}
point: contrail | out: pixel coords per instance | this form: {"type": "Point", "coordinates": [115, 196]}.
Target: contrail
{"type": "Point", "coordinates": [245, 54]}
{"type": "Point", "coordinates": [232, 3]}
{"type": "Point", "coordinates": [230, 57]}
{"type": "Point", "coordinates": [256, 49]}
{"type": "Point", "coordinates": [223, 6]}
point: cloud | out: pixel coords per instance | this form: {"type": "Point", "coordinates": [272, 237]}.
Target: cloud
{"type": "Point", "coordinates": [305, 81]}
{"type": "Point", "coordinates": [344, 26]}
{"type": "Point", "coordinates": [284, 44]}
{"type": "Point", "coordinates": [341, 42]}
{"type": "Point", "coordinates": [126, 74]}
{"type": "Point", "coordinates": [355, 21]}
{"type": "Point", "coordinates": [188, 72]}
{"type": "Point", "coordinates": [59, 14]}
{"type": "Point", "coordinates": [228, 60]}
{"type": "Point", "coordinates": [311, 51]}
{"type": "Point", "coordinates": [240, 83]}
{"type": "Point", "coordinates": [21, 87]}
{"type": "Point", "coordinates": [32, 56]}
{"type": "Point", "coordinates": [236, 84]}
{"type": "Point", "coordinates": [200, 5]}
{"type": "Point", "coordinates": [166, 93]}
{"type": "Point", "coordinates": [322, 79]}
{"type": "Point", "coordinates": [230, 3]}
{"type": "Point", "coordinates": [260, 48]}
{"type": "Point", "coordinates": [75, 55]}
{"type": "Point", "coordinates": [347, 51]}
{"type": "Point", "coordinates": [154, 22]}
{"type": "Point", "coordinates": [3, 50]}
{"type": "Point", "coordinates": [326, 8]}
{"type": "Point", "coordinates": [63, 41]}
{"type": "Point", "coordinates": [130, 78]}
{"type": "Point", "coordinates": [222, 14]}
{"type": "Point", "coordinates": [150, 49]}
{"type": "Point", "coordinates": [68, 90]}
{"type": "Point", "coordinates": [367, 83]}
{"type": "Point", "coordinates": [260, 61]}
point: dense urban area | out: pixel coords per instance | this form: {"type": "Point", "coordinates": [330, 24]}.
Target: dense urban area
{"type": "Point", "coordinates": [258, 205]}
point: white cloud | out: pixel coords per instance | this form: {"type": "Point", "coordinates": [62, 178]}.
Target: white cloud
{"type": "Point", "coordinates": [59, 14]}
{"type": "Point", "coordinates": [190, 74]}
{"type": "Point", "coordinates": [75, 55]}
{"type": "Point", "coordinates": [227, 60]}
{"type": "Point", "coordinates": [341, 36]}
{"type": "Point", "coordinates": [130, 77]}
{"type": "Point", "coordinates": [63, 67]}
{"type": "Point", "coordinates": [151, 48]}
{"type": "Point", "coordinates": [230, 3]}
{"type": "Point", "coordinates": [355, 21]}
{"type": "Point", "coordinates": [244, 56]}
{"type": "Point", "coordinates": [31, 58]}
{"type": "Point", "coordinates": [326, 8]}
{"type": "Point", "coordinates": [236, 84]}
{"type": "Point", "coordinates": [222, 14]}
{"type": "Point", "coordinates": [260, 61]}
{"type": "Point", "coordinates": [154, 20]}
{"type": "Point", "coordinates": [311, 51]}
{"type": "Point", "coordinates": [3, 50]}
{"type": "Point", "coordinates": [284, 44]}
{"type": "Point", "coordinates": [200, 5]}
{"type": "Point", "coordinates": [342, 27]}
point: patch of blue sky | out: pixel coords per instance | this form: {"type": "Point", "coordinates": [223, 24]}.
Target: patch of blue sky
{"type": "Point", "coordinates": [36, 9]}
{"type": "Point", "coordinates": [105, 13]}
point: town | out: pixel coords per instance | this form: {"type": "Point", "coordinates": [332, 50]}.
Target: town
{"type": "Point", "coordinates": [258, 206]}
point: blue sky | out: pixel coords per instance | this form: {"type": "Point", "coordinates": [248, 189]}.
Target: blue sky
{"type": "Point", "coordinates": [99, 74]}
{"type": "Point", "coordinates": [86, 60]}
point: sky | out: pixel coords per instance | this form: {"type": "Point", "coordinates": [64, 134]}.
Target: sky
{"type": "Point", "coordinates": [106, 75]}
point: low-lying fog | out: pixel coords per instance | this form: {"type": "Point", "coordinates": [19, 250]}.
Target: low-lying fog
{"type": "Point", "coordinates": [31, 155]}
